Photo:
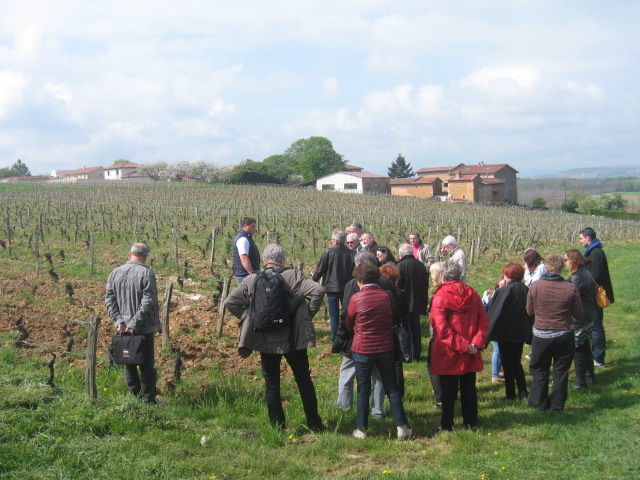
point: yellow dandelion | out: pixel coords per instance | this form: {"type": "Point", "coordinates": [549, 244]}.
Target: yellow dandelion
{"type": "Point", "coordinates": [68, 371]}
{"type": "Point", "coordinates": [290, 436]}
{"type": "Point", "coordinates": [614, 341]}
{"type": "Point", "coordinates": [105, 389]}
{"type": "Point", "coordinates": [100, 353]}
{"type": "Point", "coordinates": [386, 472]}
{"type": "Point", "coordinates": [212, 477]}
{"type": "Point", "coordinates": [72, 364]}
{"type": "Point", "coordinates": [489, 434]}
{"type": "Point", "coordinates": [424, 452]}
{"type": "Point", "coordinates": [503, 468]}
{"type": "Point", "coordinates": [496, 453]}
{"type": "Point", "coordinates": [59, 439]}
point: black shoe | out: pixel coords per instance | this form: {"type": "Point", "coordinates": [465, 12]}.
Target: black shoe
{"type": "Point", "coordinates": [318, 428]}
{"type": "Point", "coordinates": [439, 405]}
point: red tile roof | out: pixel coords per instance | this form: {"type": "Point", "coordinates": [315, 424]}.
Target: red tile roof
{"type": "Point", "coordinates": [123, 165]}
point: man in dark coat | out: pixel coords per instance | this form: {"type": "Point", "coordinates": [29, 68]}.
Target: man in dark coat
{"type": "Point", "coordinates": [414, 281]}
{"type": "Point", "coordinates": [335, 268]}
{"type": "Point", "coordinates": [599, 269]}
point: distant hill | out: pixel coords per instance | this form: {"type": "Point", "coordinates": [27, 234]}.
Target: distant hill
{"type": "Point", "coordinates": [555, 188]}
{"type": "Point", "coordinates": [596, 173]}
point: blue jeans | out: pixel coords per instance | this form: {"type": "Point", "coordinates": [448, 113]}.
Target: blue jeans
{"type": "Point", "coordinates": [598, 338]}
{"type": "Point", "coordinates": [345, 388]}
{"type": "Point", "coordinates": [496, 361]}
{"type": "Point", "coordinates": [334, 310]}
{"type": "Point", "coordinates": [364, 366]}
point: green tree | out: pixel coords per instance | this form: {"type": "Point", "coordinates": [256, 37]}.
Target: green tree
{"type": "Point", "coordinates": [400, 168]}
{"type": "Point", "coordinates": [21, 169]}
{"type": "Point", "coordinates": [539, 202]}
{"type": "Point", "coordinates": [281, 166]}
{"type": "Point", "coordinates": [314, 157]}
{"type": "Point", "coordinates": [612, 202]}
{"type": "Point", "coordinates": [249, 171]}
{"type": "Point", "coordinates": [7, 172]}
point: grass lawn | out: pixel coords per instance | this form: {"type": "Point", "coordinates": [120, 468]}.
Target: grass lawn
{"type": "Point", "coordinates": [215, 424]}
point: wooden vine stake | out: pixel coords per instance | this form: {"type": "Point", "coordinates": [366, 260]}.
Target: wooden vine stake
{"type": "Point", "coordinates": [168, 291]}
{"type": "Point", "coordinates": [222, 309]}
{"type": "Point", "coordinates": [90, 388]}
{"type": "Point", "coordinates": [213, 246]}
{"type": "Point", "coordinates": [90, 261]}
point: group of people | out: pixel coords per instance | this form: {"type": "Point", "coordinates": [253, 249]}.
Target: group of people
{"type": "Point", "coordinates": [370, 294]}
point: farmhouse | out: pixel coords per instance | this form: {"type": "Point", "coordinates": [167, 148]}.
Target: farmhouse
{"type": "Point", "coordinates": [355, 182]}
{"type": "Point", "coordinates": [423, 187]}
{"type": "Point", "coordinates": [477, 183]}
{"type": "Point", "coordinates": [120, 170]}
{"type": "Point", "coordinates": [88, 173]}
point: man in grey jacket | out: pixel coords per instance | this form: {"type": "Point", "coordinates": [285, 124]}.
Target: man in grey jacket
{"type": "Point", "coordinates": [132, 303]}
{"type": "Point", "coordinates": [290, 342]}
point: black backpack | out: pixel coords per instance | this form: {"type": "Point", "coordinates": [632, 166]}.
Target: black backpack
{"type": "Point", "coordinates": [269, 308]}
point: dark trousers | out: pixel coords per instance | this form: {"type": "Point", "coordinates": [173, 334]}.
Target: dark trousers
{"type": "Point", "coordinates": [334, 299]}
{"type": "Point", "coordinates": [544, 351]}
{"type": "Point", "coordinates": [144, 384]}
{"type": "Point", "coordinates": [598, 337]}
{"type": "Point", "coordinates": [511, 356]}
{"type": "Point", "coordinates": [416, 334]}
{"type": "Point", "coordinates": [583, 363]}
{"type": "Point", "coordinates": [299, 363]}
{"type": "Point", "coordinates": [468, 399]}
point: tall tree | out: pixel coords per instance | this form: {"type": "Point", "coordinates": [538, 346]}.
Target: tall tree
{"type": "Point", "coordinates": [400, 168]}
{"type": "Point", "coordinates": [21, 169]}
{"type": "Point", "coordinates": [314, 157]}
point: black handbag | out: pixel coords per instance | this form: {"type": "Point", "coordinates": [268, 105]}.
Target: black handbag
{"type": "Point", "coordinates": [342, 340]}
{"type": "Point", "coordinates": [127, 349]}
{"type": "Point", "coordinates": [403, 343]}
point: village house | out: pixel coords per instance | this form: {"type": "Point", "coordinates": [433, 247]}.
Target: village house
{"type": "Point", "coordinates": [355, 182]}
{"type": "Point", "coordinates": [423, 187]}
{"type": "Point", "coordinates": [86, 173]}
{"type": "Point", "coordinates": [476, 183]}
{"type": "Point", "coordinates": [120, 170]}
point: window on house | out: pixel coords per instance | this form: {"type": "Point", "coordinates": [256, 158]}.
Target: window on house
{"type": "Point", "coordinates": [464, 196]}
{"type": "Point", "coordinates": [328, 186]}
{"type": "Point", "coordinates": [350, 186]}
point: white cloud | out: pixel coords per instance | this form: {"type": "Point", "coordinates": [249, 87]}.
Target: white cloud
{"type": "Point", "coordinates": [12, 86]}
{"type": "Point", "coordinates": [330, 87]}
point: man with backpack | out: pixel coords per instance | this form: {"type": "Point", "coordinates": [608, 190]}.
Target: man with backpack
{"type": "Point", "coordinates": [275, 320]}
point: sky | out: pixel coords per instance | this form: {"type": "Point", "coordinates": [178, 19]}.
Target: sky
{"type": "Point", "coordinates": [542, 85]}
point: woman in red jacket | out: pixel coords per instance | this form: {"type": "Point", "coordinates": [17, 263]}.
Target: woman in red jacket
{"type": "Point", "coordinates": [370, 318]}
{"type": "Point", "coordinates": [460, 325]}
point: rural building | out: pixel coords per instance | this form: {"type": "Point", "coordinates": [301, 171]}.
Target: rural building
{"type": "Point", "coordinates": [355, 182]}
{"type": "Point", "coordinates": [120, 170]}
{"type": "Point", "coordinates": [477, 183]}
{"type": "Point", "coordinates": [423, 187]}
{"type": "Point", "coordinates": [61, 173]}
{"type": "Point", "coordinates": [88, 173]}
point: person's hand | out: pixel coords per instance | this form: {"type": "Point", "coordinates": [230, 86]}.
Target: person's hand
{"type": "Point", "coordinates": [129, 330]}
{"type": "Point", "coordinates": [472, 349]}
{"type": "Point", "coordinates": [121, 328]}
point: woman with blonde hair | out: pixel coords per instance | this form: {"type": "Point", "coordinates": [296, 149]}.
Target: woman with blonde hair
{"type": "Point", "coordinates": [582, 279]}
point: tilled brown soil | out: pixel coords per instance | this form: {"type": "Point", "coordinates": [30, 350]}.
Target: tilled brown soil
{"type": "Point", "coordinates": [46, 311]}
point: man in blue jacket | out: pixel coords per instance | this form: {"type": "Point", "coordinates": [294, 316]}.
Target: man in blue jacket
{"type": "Point", "coordinates": [599, 269]}
{"type": "Point", "coordinates": [246, 256]}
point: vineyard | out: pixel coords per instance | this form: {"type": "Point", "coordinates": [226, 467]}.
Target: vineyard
{"type": "Point", "coordinates": [60, 243]}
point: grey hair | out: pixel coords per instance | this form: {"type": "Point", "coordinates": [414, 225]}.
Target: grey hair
{"type": "Point", "coordinates": [273, 253]}
{"type": "Point", "coordinates": [339, 236]}
{"type": "Point", "coordinates": [353, 236]}
{"type": "Point", "coordinates": [451, 271]}
{"type": "Point", "coordinates": [449, 240]}
{"type": "Point", "coordinates": [140, 249]}
{"type": "Point", "coordinates": [365, 257]}
{"type": "Point", "coordinates": [405, 249]}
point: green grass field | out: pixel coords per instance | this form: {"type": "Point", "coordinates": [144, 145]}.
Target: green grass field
{"type": "Point", "coordinates": [215, 425]}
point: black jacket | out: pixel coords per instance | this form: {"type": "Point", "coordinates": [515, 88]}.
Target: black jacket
{"type": "Point", "coordinates": [583, 281]}
{"type": "Point", "coordinates": [335, 268]}
{"type": "Point", "coordinates": [414, 280]}
{"type": "Point", "coordinates": [599, 269]}
{"type": "Point", "coordinates": [508, 317]}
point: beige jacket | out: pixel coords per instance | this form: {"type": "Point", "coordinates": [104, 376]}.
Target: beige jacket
{"type": "Point", "coordinates": [278, 341]}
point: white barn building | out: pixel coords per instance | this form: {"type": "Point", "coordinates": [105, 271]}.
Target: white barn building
{"type": "Point", "coordinates": [355, 182]}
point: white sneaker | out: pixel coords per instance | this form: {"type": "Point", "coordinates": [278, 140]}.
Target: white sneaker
{"type": "Point", "coordinates": [359, 434]}
{"type": "Point", "coordinates": [404, 432]}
